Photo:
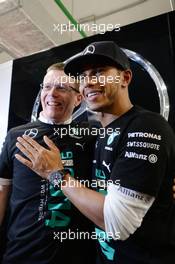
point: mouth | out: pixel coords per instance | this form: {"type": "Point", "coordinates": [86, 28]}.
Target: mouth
{"type": "Point", "coordinates": [93, 94]}
{"type": "Point", "coordinates": [54, 104]}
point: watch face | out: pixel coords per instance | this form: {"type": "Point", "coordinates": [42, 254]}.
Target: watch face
{"type": "Point", "coordinates": [56, 177]}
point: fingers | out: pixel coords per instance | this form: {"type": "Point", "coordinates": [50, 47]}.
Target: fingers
{"type": "Point", "coordinates": [32, 142]}
{"type": "Point", "coordinates": [26, 151]}
{"type": "Point", "coordinates": [32, 145]}
{"type": "Point", "coordinates": [24, 161]}
{"type": "Point", "coordinates": [50, 143]}
{"type": "Point", "coordinates": [26, 144]}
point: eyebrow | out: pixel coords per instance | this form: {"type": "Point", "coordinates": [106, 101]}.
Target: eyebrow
{"type": "Point", "coordinates": [98, 68]}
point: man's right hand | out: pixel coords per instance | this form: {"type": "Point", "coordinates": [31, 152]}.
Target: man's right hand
{"type": "Point", "coordinates": [41, 160]}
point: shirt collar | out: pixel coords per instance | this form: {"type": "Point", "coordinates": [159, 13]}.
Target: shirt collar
{"type": "Point", "coordinates": [47, 121]}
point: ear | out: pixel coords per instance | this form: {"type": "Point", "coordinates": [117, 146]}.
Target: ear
{"type": "Point", "coordinates": [126, 78]}
{"type": "Point", "coordinates": [78, 99]}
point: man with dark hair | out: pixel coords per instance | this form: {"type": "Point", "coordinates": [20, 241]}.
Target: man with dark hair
{"type": "Point", "coordinates": [42, 223]}
{"type": "Point", "coordinates": [135, 159]}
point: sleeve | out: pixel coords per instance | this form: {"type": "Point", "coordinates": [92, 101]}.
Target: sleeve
{"type": "Point", "coordinates": [124, 214]}
{"type": "Point", "coordinates": [6, 162]}
{"type": "Point", "coordinates": [142, 155]}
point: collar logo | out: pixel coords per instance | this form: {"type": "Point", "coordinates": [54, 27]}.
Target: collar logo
{"type": "Point", "coordinates": [33, 132]}
{"type": "Point", "coordinates": [89, 50]}
{"type": "Point", "coordinates": [112, 137]}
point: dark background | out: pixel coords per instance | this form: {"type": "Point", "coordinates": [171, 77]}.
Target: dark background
{"type": "Point", "coordinates": [153, 38]}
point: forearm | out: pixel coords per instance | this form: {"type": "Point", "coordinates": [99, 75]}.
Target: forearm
{"type": "Point", "coordinates": [45, 161]}
{"type": "Point", "coordinates": [4, 194]}
{"type": "Point", "coordinates": [89, 202]}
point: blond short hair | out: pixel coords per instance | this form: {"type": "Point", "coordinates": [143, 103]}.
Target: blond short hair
{"type": "Point", "coordinates": [59, 66]}
{"type": "Point", "coordinates": [56, 66]}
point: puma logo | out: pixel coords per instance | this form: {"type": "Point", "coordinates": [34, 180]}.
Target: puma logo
{"type": "Point", "coordinates": [81, 145]}
{"type": "Point", "coordinates": [107, 165]}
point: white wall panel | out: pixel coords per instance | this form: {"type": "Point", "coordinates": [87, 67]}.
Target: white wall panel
{"type": "Point", "coordinates": [5, 88]}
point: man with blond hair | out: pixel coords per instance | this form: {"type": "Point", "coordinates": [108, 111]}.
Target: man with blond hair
{"type": "Point", "coordinates": [43, 225]}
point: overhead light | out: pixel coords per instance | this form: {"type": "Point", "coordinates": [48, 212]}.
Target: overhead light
{"type": "Point", "coordinates": [1, 1]}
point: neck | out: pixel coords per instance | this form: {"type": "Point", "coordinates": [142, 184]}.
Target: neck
{"type": "Point", "coordinates": [44, 118]}
{"type": "Point", "coordinates": [107, 118]}
{"type": "Point", "coordinates": [120, 106]}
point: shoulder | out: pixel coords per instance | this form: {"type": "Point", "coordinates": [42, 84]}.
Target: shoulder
{"type": "Point", "coordinates": [151, 121]}
{"type": "Point", "coordinates": [31, 127]}
{"type": "Point", "coordinates": [24, 127]}
{"type": "Point", "coordinates": [150, 127]}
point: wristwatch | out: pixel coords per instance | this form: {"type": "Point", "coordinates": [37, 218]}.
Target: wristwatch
{"type": "Point", "coordinates": [56, 177]}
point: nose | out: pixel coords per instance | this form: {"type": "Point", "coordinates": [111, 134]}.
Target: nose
{"type": "Point", "coordinates": [52, 91]}
{"type": "Point", "coordinates": [88, 81]}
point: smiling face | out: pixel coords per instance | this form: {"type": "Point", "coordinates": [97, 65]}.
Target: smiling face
{"type": "Point", "coordinates": [105, 89]}
{"type": "Point", "coordinates": [58, 104]}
